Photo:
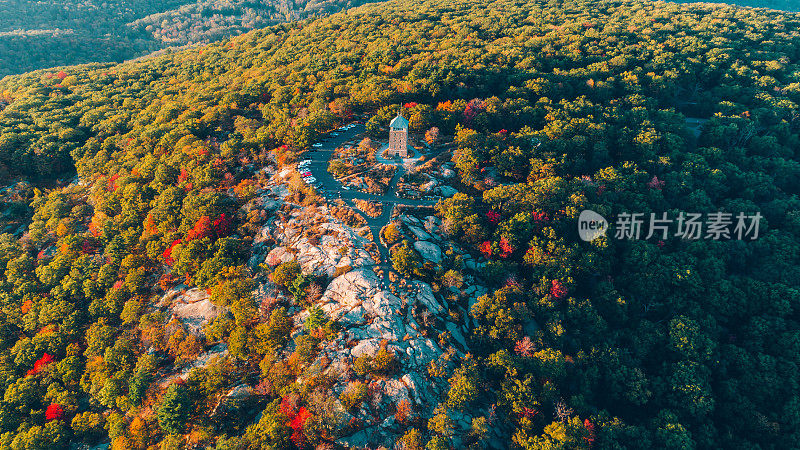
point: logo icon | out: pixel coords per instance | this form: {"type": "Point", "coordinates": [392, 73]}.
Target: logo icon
{"type": "Point", "coordinates": [591, 225]}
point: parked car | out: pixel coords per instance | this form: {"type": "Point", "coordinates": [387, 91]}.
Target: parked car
{"type": "Point", "coordinates": [311, 180]}
{"type": "Point", "coordinates": [317, 145]}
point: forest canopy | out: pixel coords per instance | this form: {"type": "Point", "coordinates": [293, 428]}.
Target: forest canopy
{"type": "Point", "coordinates": [554, 107]}
{"type": "Point", "coordinates": [50, 33]}
{"type": "Point", "coordinates": [784, 5]}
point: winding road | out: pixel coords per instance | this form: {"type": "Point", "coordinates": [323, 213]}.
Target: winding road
{"type": "Point", "coordinates": [332, 189]}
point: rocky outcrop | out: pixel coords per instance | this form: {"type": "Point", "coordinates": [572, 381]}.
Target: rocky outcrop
{"type": "Point", "coordinates": [446, 191]}
{"type": "Point", "coordinates": [332, 246]}
{"type": "Point", "coordinates": [430, 251]}
{"type": "Point", "coordinates": [192, 307]}
{"type": "Point", "coordinates": [372, 318]}
{"type": "Point", "coordinates": [203, 360]}
{"type": "Point", "coordinates": [375, 316]}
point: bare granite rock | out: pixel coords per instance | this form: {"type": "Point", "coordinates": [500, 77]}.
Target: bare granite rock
{"type": "Point", "coordinates": [335, 247]}
{"type": "Point", "coordinates": [371, 319]}
{"type": "Point", "coordinates": [400, 316]}
{"type": "Point", "coordinates": [192, 307]}
{"type": "Point", "coordinates": [429, 251]}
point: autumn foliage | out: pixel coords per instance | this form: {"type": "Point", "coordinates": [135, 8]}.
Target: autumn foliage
{"type": "Point", "coordinates": [167, 255]}
{"type": "Point", "coordinates": [590, 431]}
{"type": "Point", "coordinates": [222, 225]}
{"type": "Point", "coordinates": [486, 249]}
{"type": "Point", "coordinates": [54, 412]}
{"type": "Point", "coordinates": [297, 419]}
{"type": "Point", "coordinates": [202, 228]}
{"type": "Point", "coordinates": [506, 249]}
{"type": "Point", "coordinates": [40, 364]}
{"type": "Point", "coordinates": [557, 289]}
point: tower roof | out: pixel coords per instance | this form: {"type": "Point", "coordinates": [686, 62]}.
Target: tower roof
{"type": "Point", "coordinates": [399, 123]}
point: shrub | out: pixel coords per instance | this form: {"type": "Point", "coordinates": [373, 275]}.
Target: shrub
{"type": "Point", "coordinates": [285, 274]}
{"type": "Point", "coordinates": [463, 391]}
{"type": "Point", "coordinates": [354, 395]}
{"type": "Point", "coordinates": [306, 347]}
{"type": "Point", "coordinates": [412, 440]}
{"type": "Point", "coordinates": [362, 365]}
{"type": "Point", "coordinates": [372, 209]}
{"type": "Point", "coordinates": [403, 411]}
{"type": "Point", "coordinates": [316, 318]}
{"type": "Point", "coordinates": [383, 363]}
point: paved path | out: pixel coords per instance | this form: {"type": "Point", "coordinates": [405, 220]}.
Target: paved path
{"type": "Point", "coordinates": [332, 189]}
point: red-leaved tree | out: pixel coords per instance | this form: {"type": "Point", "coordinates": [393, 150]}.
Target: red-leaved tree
{"type": "Point", "coordinates": [222, 225]}
{"type": "Point", "coordinates": [506, 249]}
{"type": "Point", "coordinates": [167, 255]}
{"type": "Point", "coordinates": [486, 249]}
{"type": "Point", "coordinates": [202, 228]}
{"type": "Point", "coordinates": [297, 419]}
{"type": "Point", "coordinates": [54, 412]}
{"type": "Point", "coordinates": [540, 217]}
{"type": "Point", "coordinates": [591, 434]}
{"type": "Point", "coordinates": [557, 289]}
{"type": "Point", "coordinates": [525, 347]}
{"type": "Point", "coordinates": [41, 363]}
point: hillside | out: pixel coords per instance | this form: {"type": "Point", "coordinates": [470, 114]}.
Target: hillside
{"type": "Point", "coordinates": [35, 35]}
{"type": "Point", "coordinates": [783, 5]}
{"type": "Point", "coordinates": [188, 289]}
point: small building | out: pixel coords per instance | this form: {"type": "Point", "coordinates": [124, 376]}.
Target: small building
{"type": "Point", "coordinates": [398, 138]}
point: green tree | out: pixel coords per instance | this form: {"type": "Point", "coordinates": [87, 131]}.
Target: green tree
{"type": "Point", "coordinates": [173, 412]}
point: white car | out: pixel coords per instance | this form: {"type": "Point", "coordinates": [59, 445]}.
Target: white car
{"type": "Point", "coordinates": [311, 180]}
{"type": "Point", "coordinates": [317, 145]}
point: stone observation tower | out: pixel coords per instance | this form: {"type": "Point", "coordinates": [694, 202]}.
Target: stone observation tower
{"type": "Point", "coordinates": [398, 137]}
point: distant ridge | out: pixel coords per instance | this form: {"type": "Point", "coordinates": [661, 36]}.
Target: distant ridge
{"type": "Point", "coordinates": [781, 5]}
{"type": "Point", "coordinates": [51, 33]}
